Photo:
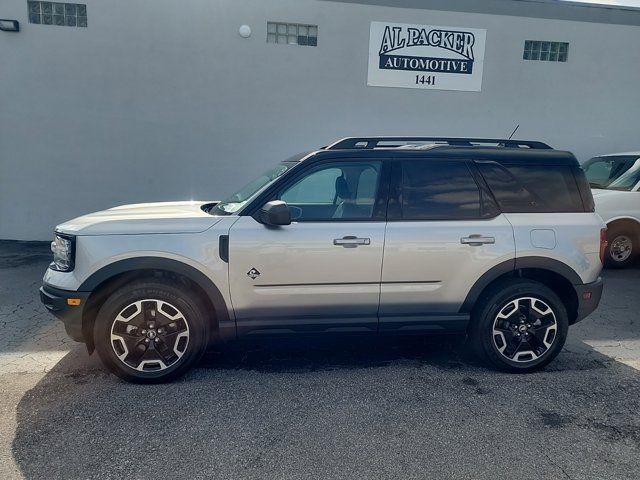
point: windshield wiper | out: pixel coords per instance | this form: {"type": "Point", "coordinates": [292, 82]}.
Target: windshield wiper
{"type": "Point", "coordinates": [596, 185]}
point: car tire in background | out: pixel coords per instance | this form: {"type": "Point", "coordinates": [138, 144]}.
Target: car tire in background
{"type": "Point", "coordinates": [151, 331]}
{"type": "Point", "coordinates": [622, 247]}
{"type": "Point", "coordinates": [518, 325]}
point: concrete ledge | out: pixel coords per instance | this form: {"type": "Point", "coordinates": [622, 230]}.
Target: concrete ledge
{"type": "Point", "coordinates": [551, 9]}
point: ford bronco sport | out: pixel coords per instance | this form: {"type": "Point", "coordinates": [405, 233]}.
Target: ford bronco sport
{"type": "Point", "coordinates": [496, 239]}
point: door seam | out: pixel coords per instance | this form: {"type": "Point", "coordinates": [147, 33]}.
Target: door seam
{"type": "Point", "coordinates": [384, 244]}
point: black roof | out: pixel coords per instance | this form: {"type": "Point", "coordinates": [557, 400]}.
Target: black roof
{"type": "Point", "coordinates": [498, 150]}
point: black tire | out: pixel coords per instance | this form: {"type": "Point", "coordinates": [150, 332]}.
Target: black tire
{"type": "Point", "coordinates": [498, 299]}
{"type": "Point", "coordinates": [622, 247]}
{"type": "Point", "coordinates": [173, 355]}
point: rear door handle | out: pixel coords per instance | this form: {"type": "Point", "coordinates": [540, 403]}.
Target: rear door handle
{"type": "Point", "coordinates": [351, 241]}
{"type": "Point", "coordinates": [476, 240]}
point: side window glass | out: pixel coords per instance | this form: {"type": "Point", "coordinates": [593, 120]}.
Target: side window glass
{"type": "Point", "coordinates": [318, 187]}
{"type": "Point", "coordinates": [367, 187]}
{"type": "Point", "coordinates": [510, 194]}
{"type": "Point", "coordinates": [533, 188]}
{"type": "Point", "coordinates": [337, 191]}
{"type": "Point", "coordinates": [438, 190]}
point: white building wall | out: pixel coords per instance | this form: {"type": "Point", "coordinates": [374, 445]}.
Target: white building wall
{"type": "Point", "coordinates": [162, 100]}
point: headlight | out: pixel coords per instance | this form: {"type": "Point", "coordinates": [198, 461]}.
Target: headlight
{"type": "Point", "coordinates": [63, 252]}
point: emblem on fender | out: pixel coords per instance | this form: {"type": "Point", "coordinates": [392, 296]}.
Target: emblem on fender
{"type": "Point", "coordinates": [253, 273]}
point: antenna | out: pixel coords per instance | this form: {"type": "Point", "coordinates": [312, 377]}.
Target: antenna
{"type": "Point", "coordinates": [514, 131]}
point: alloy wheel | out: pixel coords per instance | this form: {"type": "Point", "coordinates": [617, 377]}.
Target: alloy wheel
{"type": "Point", "coordinates": [524, 329]}
{"type": "Point", "coordinates": [149, 335]}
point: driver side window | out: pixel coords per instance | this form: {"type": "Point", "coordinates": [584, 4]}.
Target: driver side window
{"type": "Point", "coordinates": [318, 188]}
{"type": "Point", "coordinates": [336, 191]}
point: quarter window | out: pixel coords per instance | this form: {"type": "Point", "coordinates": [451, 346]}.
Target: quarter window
{"type": "Point", "coordinates": [438, 190]}
{"type": "Point", "coordinates": [532, 188]}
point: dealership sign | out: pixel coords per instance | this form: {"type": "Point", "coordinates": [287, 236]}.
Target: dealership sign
{"type": "Point", "coordinates": [426, 56]}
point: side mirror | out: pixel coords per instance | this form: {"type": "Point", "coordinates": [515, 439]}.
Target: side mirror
{"type": "Point", "coordinates": [275, 212]}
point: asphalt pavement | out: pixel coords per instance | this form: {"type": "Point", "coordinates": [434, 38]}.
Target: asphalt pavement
{"type": "Point", "coordinates": [401, 408]}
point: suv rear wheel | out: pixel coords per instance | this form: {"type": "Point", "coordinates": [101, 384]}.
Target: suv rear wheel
{"type": "Point", "coordinates": [150, 331]}
{"type": "Point", "coordinates": [519, 325]}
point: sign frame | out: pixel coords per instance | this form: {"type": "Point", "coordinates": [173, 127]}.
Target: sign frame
{"type": "Point", "coordinates": [428, 57]}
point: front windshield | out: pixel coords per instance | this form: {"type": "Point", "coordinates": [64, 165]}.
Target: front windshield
{"type": "Point", "coordinates": [605, 172]}
{"type": "Point", "coordinates": [236, 201]}
{"type": "Point", "coordinates": [628, 179]}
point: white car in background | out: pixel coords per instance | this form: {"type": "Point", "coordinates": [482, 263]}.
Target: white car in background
{"type": "Point", "coordinates": [615, 184]}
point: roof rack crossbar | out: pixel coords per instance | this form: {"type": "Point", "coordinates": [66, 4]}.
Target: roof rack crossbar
{"type": "Point", "coordinates": [372, 142]}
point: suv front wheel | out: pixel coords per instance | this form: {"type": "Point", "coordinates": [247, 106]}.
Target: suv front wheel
{"type": "Point", "coordinates": [519, 325]}
{"type": "Point", "coordinates": [150, 331]}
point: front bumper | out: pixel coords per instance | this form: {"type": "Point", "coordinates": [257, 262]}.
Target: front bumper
{"type": "Point", "coordinates": [589, 296]}
{"type": "Point", "coordinates": [62, 304]}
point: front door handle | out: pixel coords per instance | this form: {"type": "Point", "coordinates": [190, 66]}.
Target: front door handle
{"type": "Point", "coordinates": [351, 241]}
{"type": "Point", "coordinates": [476, 240]}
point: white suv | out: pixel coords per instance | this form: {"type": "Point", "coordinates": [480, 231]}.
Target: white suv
{"type": "Point", "coordinates": [497, 239]}
{"type": "Point", "coordinates": [615, 180]}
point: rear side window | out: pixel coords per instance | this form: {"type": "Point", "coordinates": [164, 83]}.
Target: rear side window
{"type": "Point", "coordinates": [438, 190]}
{"type": "Point", "coordinates": [532, 188]}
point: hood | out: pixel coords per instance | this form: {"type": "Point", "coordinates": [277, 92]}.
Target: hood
{"type": "Point", "coordinates": [143, 218]}
{"type": "Point", "coordinates": [604, 193]}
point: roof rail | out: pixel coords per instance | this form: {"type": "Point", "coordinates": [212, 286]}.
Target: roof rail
{"type": "Point", "coordinates": [372, 142]}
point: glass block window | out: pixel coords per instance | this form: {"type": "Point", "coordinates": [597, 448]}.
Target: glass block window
{"type": "Point", "coordinates": [545, 51]}
{"type": "Point", "coordinates": [292, 33]}
{"type": "Point", "coordinates": [56, 13]}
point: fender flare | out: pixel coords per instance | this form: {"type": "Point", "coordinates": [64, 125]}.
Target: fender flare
{"type": "Point", "coordinates": [624, 219]}
{"type": "Point", "coordinates": [130, 265]}
{"type": "Point", "coordinates": [540, 263]}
